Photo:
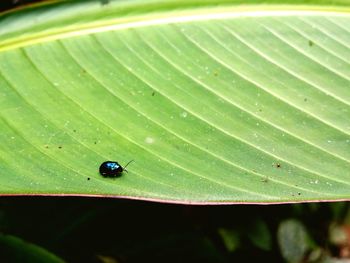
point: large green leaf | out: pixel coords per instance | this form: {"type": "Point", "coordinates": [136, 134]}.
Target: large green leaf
{"type": "Point", "coordinates": [214, 101]}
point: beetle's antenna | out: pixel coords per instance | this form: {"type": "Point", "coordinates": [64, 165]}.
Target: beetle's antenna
{"type": "Point", "coordinates": [127, 165]}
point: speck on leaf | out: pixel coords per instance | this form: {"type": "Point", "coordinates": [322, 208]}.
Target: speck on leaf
{"type": "Point", "coordinates": [265, 179]}
{"type": "Point", "coordinates": [277, 165]}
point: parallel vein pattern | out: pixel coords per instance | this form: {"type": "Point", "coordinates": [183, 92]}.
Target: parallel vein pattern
{"type": "Point", "coordinates": [229, 110]}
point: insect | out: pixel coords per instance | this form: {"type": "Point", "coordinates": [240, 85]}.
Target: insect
{"type": "Point", "coordinates": [112, 169]}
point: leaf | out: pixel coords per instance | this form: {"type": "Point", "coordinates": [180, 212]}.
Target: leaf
{"type": "Point", "coordinates": [13, 249]}
{"type": "Point", "coordinates": [214, 101]}
{"type": "Point", "coordinates": [230, 238]}
{"type": "Point", "coordinates": [292, 239]}
{"type": "Point", "coordinates": [260, 235]}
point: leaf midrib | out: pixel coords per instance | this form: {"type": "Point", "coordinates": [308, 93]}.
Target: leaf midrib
{"type": "Point", "coordinates": [33, 36]}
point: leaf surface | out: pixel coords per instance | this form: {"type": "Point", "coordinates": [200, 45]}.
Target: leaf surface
{"type": "Point", "coordinates": [215, 102]}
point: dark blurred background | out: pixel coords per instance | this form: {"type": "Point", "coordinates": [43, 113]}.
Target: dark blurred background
{"type": "Point", "coordinates": [107, 230]}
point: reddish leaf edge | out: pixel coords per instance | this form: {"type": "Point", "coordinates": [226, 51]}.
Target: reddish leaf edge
{"type": "Point", "coordinates": [179, 202]}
